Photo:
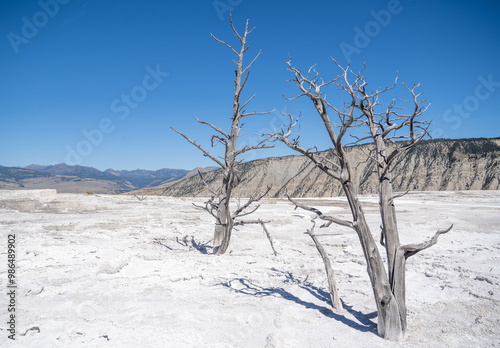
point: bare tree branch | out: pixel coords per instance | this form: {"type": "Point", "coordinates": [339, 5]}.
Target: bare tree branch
{"type": "Point", "coordinates": [214, 127]}
{"type": "Point", "coordinates": [206, 184]}
{"type": "Point", "coordinates": [248, 101]}
{"type": "Point", "coordinates": [249, 65]}
{"type": "Point", "coordinates": [208, 154]}
{"type": "Point", "coordinates": [257, 113]}
{"type": "Point", "coordinates": [260, 145]}
{"type": "Point", "coordinates": [320, 214]}
{"type": "Point", "coordinates": [224, 43]}
{"type": "Point", "coordinates": [235, 31]}
{"type": "Point", "coordinates": [398, 196]}
{"type": "Point", "coordinates": [294, 145]}
{"type": "Point", "coordinates": [254, 198]}
{"type": "Point", "coordinates": [262, 223]}
{"type": "Point", "coordinates": [412, 249]}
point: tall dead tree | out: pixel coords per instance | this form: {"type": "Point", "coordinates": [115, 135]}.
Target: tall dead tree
{"type": "Point", "coordinates": [391, 132]}
{"type": "Point", "coordinates": [218, 205]}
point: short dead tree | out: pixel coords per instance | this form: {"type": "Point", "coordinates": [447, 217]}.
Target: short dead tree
{"type": "Point", "coordinates": [391, 132]}
{"type": "Point", "coordinates": [218, 205]}
{"type": "Point", "coordinates": [332, 284]}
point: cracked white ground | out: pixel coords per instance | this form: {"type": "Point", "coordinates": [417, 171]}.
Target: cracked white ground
{"type": "Point", "coordinates": [113, 271]}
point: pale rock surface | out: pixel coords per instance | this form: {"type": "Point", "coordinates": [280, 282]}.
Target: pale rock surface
{"type": "Point", "coordinates": [113, 271]}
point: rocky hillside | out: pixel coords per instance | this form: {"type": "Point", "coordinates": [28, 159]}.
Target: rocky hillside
{"type": "Point", "coordinates": [144, 178]}
{"type": "Point", "coordinates": [463, 164]}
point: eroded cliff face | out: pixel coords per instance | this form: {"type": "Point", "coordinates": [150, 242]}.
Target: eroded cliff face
{"type": "Point", "coordinates": [464, 164]}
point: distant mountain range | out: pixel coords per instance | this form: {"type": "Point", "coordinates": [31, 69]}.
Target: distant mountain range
{"type": "Point", "coordinates": [80, 179]}
{"type": "Point", "coordinates": [442, 164]}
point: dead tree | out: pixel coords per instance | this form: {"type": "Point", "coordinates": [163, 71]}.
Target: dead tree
{"type": "Point", "coordinates": [391, 132]}
{"type": "Point", "coordinates": [332, 284]}
{"type": "Point", "coordinates": [218, 205]}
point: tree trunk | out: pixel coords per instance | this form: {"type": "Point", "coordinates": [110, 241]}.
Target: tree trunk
{"type": "Point", "coordinates": [224, 223]}
{"type": "Point", "coordinates": [221, 232]}
{"type": "Point", "coordinates": [395, 256]}
{"type": "Point", "coordinates": [389, 319]}
{"type": "Point", "coordinates": [390, 233]}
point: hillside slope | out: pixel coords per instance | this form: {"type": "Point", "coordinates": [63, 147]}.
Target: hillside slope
{"type": "Point", "coordinates": [146, 178]}
{"type": "Point", "coordinates": [463, 164]}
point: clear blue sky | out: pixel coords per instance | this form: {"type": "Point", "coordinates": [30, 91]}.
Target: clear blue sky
{"type": "Point", "coordinates": [67, 67]}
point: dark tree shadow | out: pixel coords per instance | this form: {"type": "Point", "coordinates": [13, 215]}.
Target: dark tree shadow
{"type": "Point", "coordinates": [191, 242]}
{"type": "Point", "coordinates": [201, 247]}
{"type": "Point", "coordinates": [363, 324]}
